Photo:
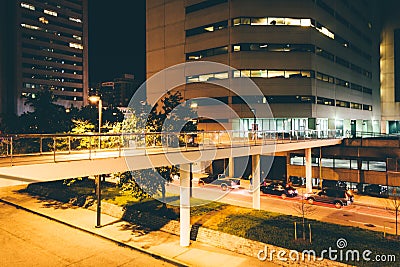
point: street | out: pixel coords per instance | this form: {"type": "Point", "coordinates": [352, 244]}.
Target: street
{"type": "Point", "coordinates": [371, 218]}
{"type": "Point", "coordinates": [27, 239]}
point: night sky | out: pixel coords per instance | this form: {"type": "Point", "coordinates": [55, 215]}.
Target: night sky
{"type": "Point", "coordinates": [117, 39]}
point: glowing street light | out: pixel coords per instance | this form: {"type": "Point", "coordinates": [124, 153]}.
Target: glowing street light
{"type": "Point", "coordinates": [95, 99]}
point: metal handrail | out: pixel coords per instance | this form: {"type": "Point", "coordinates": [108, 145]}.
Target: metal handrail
{"type": "Point", "coordinates": [143, 141]}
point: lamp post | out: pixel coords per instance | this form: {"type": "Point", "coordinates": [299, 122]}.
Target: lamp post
{"type": "Point", "coordinates": [254, 127]}
{"type": "Point", "coordinates": [95, 99]}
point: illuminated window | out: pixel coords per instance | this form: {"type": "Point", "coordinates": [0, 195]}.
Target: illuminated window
{"type": "Point", "coordinates": [276, 73]}
{"type": "Point", "coordinates": [355, 106]}
{"type": "Point", "coordinates": [207, 77]}
{"type": "Point", "coordinates": [305, 22]}
{"type": "Point", "coordinates": [30, 26]}
{"type": "Point", "coordinates": [245, 73]}
{"type": "Point", "coordinates": [325, 101]}
{"type": "Point", "coordinates": [220, 76]}
{"type": "Point", "coordinates": [50, 12]}
{"type": "Point", "coordinates": [194, 57]}
{"type": "Point", "coordinates": [209, 29]}
{"type": "Point", "coordinates": [75, 45]}
{"type": "Point", "coordinates": [236, 74]}
{"type": "Point", "coordinates": [75, 19]}
{"type": "Point", "coordinates": [343, 104]}
{"type": "Point", "coordinates": [43, 20]}
{"type": "Point", "coordinates": [367, 107]}
{"type": "Point", "coordinates": [27, 6]}
{"type": "Point", "coordinates": [292, 73]}
{"type": "Point", "coordinates": [259, 73]}
{"type": "Point", "coordinates": [259, 21]}
{"type": "Point", "coordinates": [294, 22]}
{"type": "Point", "coordinates": [77, 37]}
{"type": "Point", "coordinates": [276, 21]}
{"type": "Point", "coordinates": [236, 22]}
{"type": "Point", "coordinates": [325, 31]}
{"type": "Point", "coordinates": [207, 53]}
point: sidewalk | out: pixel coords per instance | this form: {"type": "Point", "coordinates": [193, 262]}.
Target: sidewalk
{"type": "Point", "coordinates": [156, 243]}
{"type": "Point", "coordinates": [368, 201]}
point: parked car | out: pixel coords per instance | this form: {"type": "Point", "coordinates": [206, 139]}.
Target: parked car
{"type": "Point", "coordinates": [279, 189]}
{"type": "Point", "coordinates": [220, 179]}
{"type": "Point", "coordinates": [338, 197]}
{"type": "Point", "coordinates": [375, 190]}
{"type": "Point", "coordinates": [334, 184]}
{"type": "Point", "coordinates": [295, 180]}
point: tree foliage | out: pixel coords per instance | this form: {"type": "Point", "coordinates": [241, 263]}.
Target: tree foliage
{"type": "Point", "coordinates": [45, 116]}
{"type": "Point", "coordinates": [152, 182]}
{"type": "Point", "coordinates": [393, 206]}
{"type": "Point", "coordinates": [303, 209]}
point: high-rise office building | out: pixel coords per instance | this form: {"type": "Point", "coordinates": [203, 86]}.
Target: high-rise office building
{"type": "Point", "coordinates": [315, 61]}
{"type": "Point", "coordinates": [44, 45]}
{"type": "Point", "coordinates": [390, 67]}
{"type": "Point", "coordinates": [118, 93]}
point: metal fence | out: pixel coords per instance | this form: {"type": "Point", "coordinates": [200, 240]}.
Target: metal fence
{"type": "Point", "coordinates": [87, 145]}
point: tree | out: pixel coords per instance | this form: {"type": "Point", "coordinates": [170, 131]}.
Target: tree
{"type": "Point", "coordinates": [304, 209]}
{"type": "Point", "coordinates": [153, 181]}
{"type": "Point", "coordinates": [45, 116]}
{"type": "Point", "coordinates": [393, 206]}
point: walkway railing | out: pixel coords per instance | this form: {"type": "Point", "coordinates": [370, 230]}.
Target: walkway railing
{"type": "Point", "coordinates": [87, 146]}
{"type": "Point", "coordinates": [359, 134]}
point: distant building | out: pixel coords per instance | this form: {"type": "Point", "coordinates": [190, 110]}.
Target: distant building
{"type": "Point", "coordinates": [390, 68]}
{"type": "Point", "coordinates": [315, 61]}
{"type": "Point", "coordinates": [44, 45]}
{"type": "Point", "coordinates": [118, 93]}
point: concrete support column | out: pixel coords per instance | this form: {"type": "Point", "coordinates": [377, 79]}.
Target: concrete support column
{"type": "Point", "coordinates": [255, 173]}
{"type": "Point", "coordinates": [287, 167]}
{"type": "Point", "coordinates": [97, 180]}
{"type": "Point", "coordinates": [231, 167]}
{"type": "Point", "coordinates": [308, 170]}
{"type": "Point", "coordinates": [185, 205]}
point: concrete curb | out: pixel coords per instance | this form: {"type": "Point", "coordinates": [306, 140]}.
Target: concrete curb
{"type": "Point", "coordinates": [152, 254]}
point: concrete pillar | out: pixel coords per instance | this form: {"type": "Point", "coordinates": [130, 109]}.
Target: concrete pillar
{"type": "Point", "coordinates": [185, 205]}
{"type": "Point", "coordinates": [256, 174]}
{"type": "Point", "coordinates": [287, 167]}
{"type": "Point", "coordinates": [97, 180]}
{"type": "Point", "coordinates": [308, 170]}
{"type": "Point", "coordinates": [231, 167]}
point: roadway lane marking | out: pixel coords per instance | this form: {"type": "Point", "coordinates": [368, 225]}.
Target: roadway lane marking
{"type": "Point", "coordinates": [369, 214]}
{"type": "Point", "coordinates": [363, 223]}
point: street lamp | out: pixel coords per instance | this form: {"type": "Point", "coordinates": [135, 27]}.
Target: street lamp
{"type": "Point", "coordinates": [95, 99]}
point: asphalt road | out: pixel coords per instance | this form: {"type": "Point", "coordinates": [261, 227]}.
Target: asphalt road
{"type": "Point", "coordinates": [27, 239]}
{"type": "Point", "coordinates": [371, 218]}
